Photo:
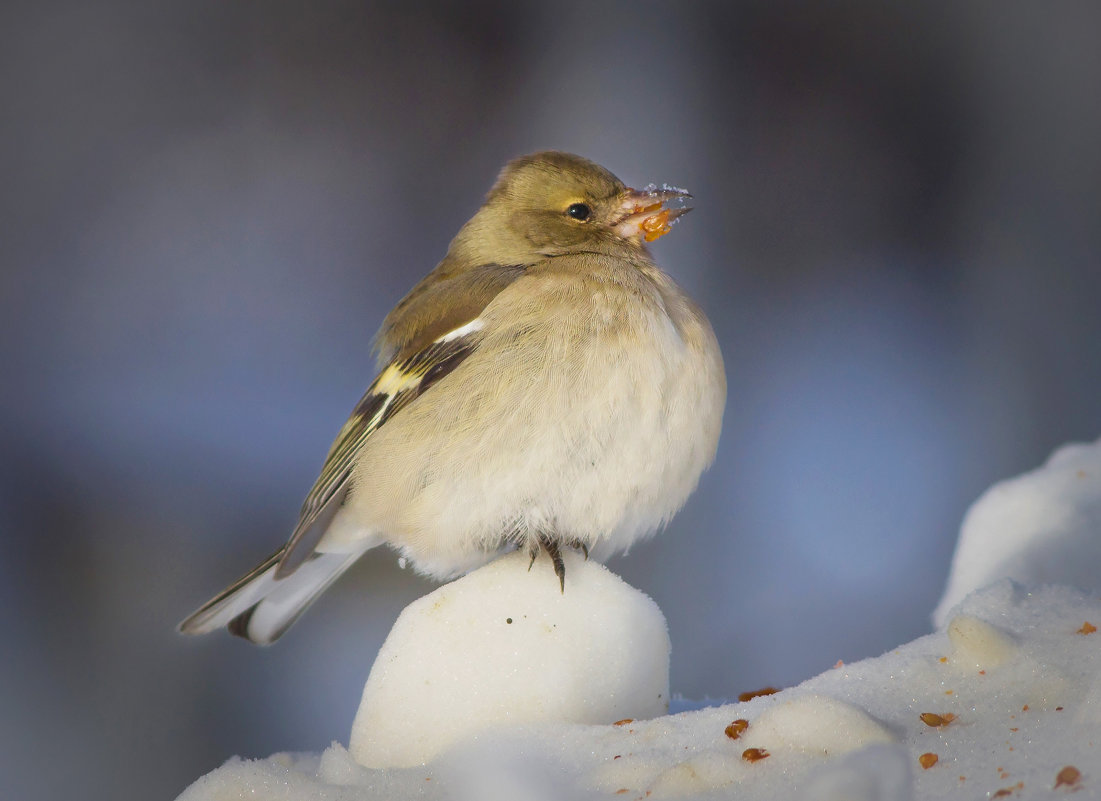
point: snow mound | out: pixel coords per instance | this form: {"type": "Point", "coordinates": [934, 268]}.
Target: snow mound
{"type": "Point", "coordinates": [1043, 527]}
{"type": "Point", "coordinates": [505, 645]}
{"type": "Point", "coordinates": [1003, 701]}
{"type": "Point", "coordinates": [924, 721]}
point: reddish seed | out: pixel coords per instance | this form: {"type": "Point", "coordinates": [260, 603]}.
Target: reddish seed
{"type": "Point", "coordinates": [1087, 628]}
{"type": "Point", "coordinates": [928, 760]}
{"type": "Point", "coordinates": [656, 226]}
{"type": "Point", "coordinates": [754, 754]}
{"type": "Point", "coordinates": [735, 729]}
{"type": "Point", "coordinates": [757, 693]}
{"type": "Point", "coordinates": [1068, 776]}
{"type": "Point", "coordinates": [933, 719]}
{"type": "Point", "coordinates": [624, 722]}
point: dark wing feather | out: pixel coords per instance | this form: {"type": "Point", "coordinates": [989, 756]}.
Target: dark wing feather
{"type": "Point", "coordinates": [397, 385]}
{"type": "Point", "coordinates": [446, 298]}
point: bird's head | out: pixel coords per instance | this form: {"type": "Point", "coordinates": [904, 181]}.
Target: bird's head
{"type": "Point", "coordinates": [552, 203]}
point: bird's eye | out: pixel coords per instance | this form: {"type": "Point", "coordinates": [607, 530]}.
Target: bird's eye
{"type": "Point", "coordinates": [579, 211]}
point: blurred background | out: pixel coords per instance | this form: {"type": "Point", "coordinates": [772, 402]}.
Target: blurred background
{"type": "Point", "coordinates": [208, 207]}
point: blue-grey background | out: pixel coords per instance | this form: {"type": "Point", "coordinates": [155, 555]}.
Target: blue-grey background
{"type": "Point", "coordinates": [208, 207]}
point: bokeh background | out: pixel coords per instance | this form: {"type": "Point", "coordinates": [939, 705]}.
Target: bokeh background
{"type": "Point", "coordinates": [208, 207]}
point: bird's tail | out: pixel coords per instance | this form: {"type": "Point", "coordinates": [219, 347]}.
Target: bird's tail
{"type": "Point", "coordinates": [260, 607]}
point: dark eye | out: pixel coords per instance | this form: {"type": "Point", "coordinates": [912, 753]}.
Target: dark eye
{"type": "Point", "coordinates": [579, 211]}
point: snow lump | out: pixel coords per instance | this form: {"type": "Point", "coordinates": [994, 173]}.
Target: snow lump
{"type": "Point", "coordinates": [506, 645]}
{"type": "Point", "coordinates": [1043, 527]}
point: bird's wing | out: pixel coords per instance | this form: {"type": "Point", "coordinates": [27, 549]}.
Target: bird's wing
{"type": "Point", "coordinates": [403, 380]}
{"type": "Point", "coordinates": [445, 299]}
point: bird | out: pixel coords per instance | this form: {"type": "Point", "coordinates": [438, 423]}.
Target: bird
{"type": "Point", "coordinates": [546, 386]}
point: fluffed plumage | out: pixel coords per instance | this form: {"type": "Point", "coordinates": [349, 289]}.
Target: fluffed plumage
{"type": "Point", "coordinates": [546, 385]}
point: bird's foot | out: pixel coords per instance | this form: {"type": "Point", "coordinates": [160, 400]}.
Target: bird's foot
{"type": "Point", "coordinates": [551, 546]}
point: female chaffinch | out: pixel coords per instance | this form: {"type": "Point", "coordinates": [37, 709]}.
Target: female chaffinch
{"type": "Point", "coordinates": [546, 386]}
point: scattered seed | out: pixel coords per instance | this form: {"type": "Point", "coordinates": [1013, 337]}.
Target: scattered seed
{"type": "Point", "coordinates": [933, 719]}
{"type": "Point", "coordinates": [928, 760]}
{"type": "Point", "coordinates": [624, 722]}
{"type": "Point", "coordinates": [735, 729]}
{"type": "Point", "coordinates": [758, 693]}
{"type": "Point", "coordinates": [1068, 776]}
{"type": "Point", "coordinates": [754, 754]}
{"type": "Point", "coordinates": [1087, 628]}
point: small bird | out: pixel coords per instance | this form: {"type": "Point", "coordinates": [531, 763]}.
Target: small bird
{"type": "Point", "coordinates": [545, 386]}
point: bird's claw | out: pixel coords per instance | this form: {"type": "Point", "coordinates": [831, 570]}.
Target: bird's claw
{"type": "Point", "coordinates": [578, 545]}
{"type": "Point", "coordinates": [551, 546]}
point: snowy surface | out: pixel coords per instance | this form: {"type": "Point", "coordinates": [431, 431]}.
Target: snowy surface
{"type": "Point", "coordinates": [1043, 527]}
{"type": "Point", "coordinates": [505, 644]}
{"type": "Point", "coordinates": [1003, 701]}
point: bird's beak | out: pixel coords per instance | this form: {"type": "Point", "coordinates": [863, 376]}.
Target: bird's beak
{"type": "Point", "coordinates": [644, 212]}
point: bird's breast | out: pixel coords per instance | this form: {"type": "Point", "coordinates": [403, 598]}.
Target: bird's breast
{"type": "Point", "coordinates": [588, 411]}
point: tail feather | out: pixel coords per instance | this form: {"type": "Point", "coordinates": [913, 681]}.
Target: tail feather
{"type": "Point", "coordinates": [260, 606]}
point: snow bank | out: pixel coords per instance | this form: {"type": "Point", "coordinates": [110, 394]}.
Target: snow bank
{"type": "Point", "coordinates": [505, 645]}
{"type": "Point", "coordinates": [1003, 701]}
{"type": "Point", "coordinates": [861, 732]}
{"type": "Point", "coordinates": [1043, 527]}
